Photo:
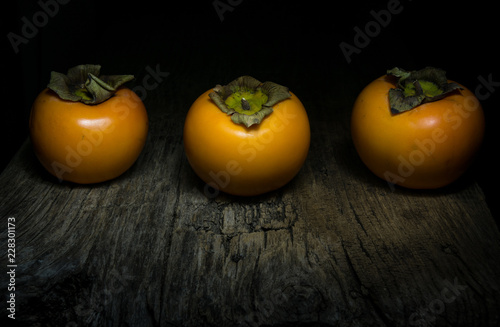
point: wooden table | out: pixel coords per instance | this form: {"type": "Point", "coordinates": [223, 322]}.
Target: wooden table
{"type": "Point", "coordinates": [337, 246]}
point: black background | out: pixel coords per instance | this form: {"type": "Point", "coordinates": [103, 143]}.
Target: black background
{"type": "Point", "coordinates": [292, 43]}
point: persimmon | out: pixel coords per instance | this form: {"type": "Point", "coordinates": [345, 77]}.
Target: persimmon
{"type": "Point", "coordinates": [246, 138]}
{"type": "Point", "coordinates": [87, 128]}
{"type": "Point", "coordinates": [417, 129]}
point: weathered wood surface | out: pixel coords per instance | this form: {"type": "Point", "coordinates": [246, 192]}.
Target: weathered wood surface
{"type": "Point", "coordinates": [336, 246]}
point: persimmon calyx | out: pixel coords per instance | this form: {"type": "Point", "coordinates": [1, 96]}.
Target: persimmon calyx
{"type": "Point", "coordinates": [247, 100]}
{"type": "Point", "coordinates": [418, 87]}
{"type": "Point", "coordinates": [83, 83]}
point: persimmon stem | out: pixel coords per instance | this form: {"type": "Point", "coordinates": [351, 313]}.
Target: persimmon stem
{"type": "Point", "coordinates": [247, 100]}
{"type": "Point", "coordinates": [418, 87]}
{"type": "Point", "coordinates": [83, 83]}
{"type": "Point", "coordinates": [244, 104]}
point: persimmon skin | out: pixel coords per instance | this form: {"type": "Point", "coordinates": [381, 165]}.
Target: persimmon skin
{"type": "Point", "coordinates": [427, 147]}
{"type": "Point", "coordinates": [88, 143]}
{"type": "Point", "coordinates": [246, 161]}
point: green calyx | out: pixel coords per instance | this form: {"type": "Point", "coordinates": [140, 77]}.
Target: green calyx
{"type": "Point", "coordinates": [418, 87]}
{"type": "Point", "coordinates": [247, 100]}
{"type": "Point", "coordinates": [83, 83]}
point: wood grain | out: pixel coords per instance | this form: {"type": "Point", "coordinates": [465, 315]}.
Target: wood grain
{"type": "Point", "coordinates": [335, 247]}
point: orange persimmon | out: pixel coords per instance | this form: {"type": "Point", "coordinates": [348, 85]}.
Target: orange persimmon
{"type": "Point", "coordinates": [246, 138]}
{"type": "Point", "coordinates": [417, 129]}
{"type": "Point", "coordinates": [84, 134]}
